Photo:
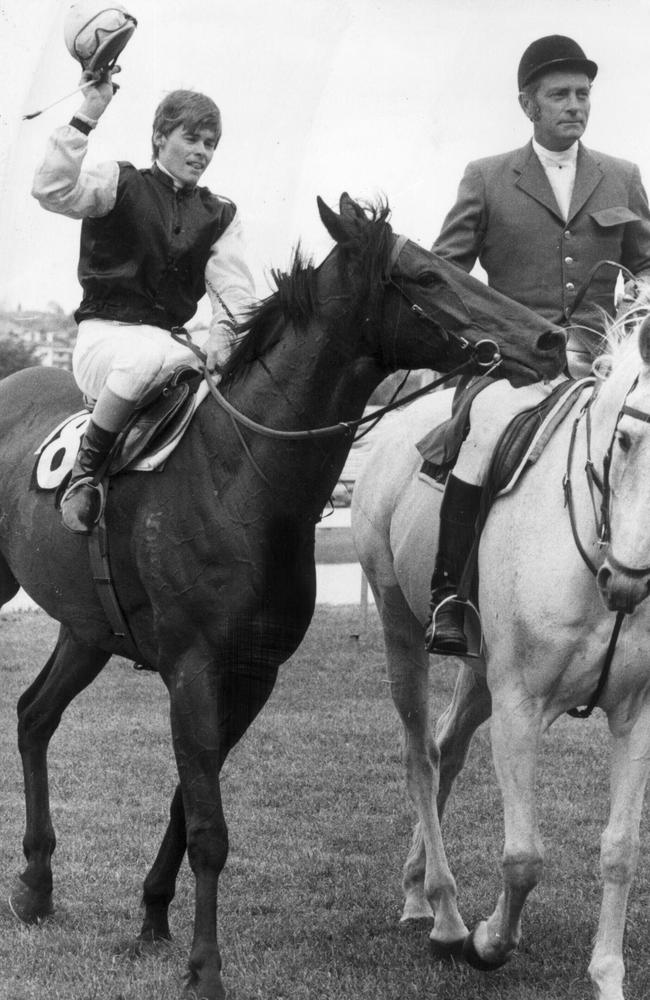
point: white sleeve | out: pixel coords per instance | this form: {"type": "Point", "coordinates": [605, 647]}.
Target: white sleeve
{"type": "Point", "coordinates": [61, 185]}
{"type": "Point", "coordinates": [228, 278]}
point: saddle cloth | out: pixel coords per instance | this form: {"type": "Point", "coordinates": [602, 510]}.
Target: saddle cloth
{"type": "Point", "coordinates": [150, 437]}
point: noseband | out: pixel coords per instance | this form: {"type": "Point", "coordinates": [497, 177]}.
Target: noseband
{"type": "Point", "coordinates": [485, 353]}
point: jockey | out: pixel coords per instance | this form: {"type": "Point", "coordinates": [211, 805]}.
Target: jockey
{"type": "Point", "coordinates": [152, 241]}
{"type": "Point", "coordinates": [539, 220]}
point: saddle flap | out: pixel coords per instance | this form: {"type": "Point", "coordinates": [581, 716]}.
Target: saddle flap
{"type": "Point", "coordinates": [158, 422]}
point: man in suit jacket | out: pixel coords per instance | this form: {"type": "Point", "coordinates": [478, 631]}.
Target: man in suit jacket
{"type": "Point", "coordinates": [538, 220]}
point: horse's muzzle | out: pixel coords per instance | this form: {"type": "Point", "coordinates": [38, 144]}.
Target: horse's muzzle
{"type": "Point", "coordinates": [622, 588]}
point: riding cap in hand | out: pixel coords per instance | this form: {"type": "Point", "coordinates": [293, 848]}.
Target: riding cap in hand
{"type": "Point", "coordinates": [553, 52]}
{"type": "Point", "coordinates": [95, 33]}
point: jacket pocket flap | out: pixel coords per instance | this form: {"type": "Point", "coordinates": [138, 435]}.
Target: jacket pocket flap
{"type": "Point", "coordinates": [614, 216]}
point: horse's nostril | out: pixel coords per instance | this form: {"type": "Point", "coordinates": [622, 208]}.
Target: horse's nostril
{"type": "Point", "coordinates": [551, 340]}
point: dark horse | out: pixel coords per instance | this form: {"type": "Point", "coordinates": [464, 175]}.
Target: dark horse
{"type": "Point", "coordinates": [213, 559]}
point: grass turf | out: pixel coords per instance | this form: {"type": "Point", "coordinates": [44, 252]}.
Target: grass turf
{"type": "Point", "coordinates": [319, 829]}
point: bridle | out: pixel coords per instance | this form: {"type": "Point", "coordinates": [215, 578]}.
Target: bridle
{"type": "Point", "coordinates": [485, 353]}
{"type": "Point", "coordinates": [602, 514]}
{"type": "Point", "coordinates": [602, 485]}
{"type": "Point", "coordinates": [484, 356]}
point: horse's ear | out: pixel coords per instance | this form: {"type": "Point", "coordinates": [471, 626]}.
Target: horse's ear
{"type": "Point", "coordinates": [644, 340]}
{"type": "Point", "coordinates": [333, 223]}
{"type": "Point", "coordinates": [350, 208]}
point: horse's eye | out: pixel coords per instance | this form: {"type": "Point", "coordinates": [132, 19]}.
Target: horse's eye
{"type": "Point", "coordinates": [623, 440]}
{"type": "Point", "coordinates": [427, 279]}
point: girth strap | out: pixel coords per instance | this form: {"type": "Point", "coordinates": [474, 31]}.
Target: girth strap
{"type": "Point", "coordinates": [101, 570]}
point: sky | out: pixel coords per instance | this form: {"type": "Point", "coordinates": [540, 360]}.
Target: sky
{"type": "Point", "coordinates": [380, 98]}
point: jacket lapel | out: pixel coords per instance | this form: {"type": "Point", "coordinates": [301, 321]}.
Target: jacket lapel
{"type": "Point", "coordinates": [532, 179]}
{"type": "Point", "coordinates": [588, 177]}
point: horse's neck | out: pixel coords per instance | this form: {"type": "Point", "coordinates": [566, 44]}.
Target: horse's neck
{"type": "Point", "coordinates": [309, 380]}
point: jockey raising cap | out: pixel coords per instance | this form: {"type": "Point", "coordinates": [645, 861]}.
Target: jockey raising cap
{"type": "Point", "coordinates": [551, 53]}
{"type": "Point", "coordinates": [153, 241]}
{"type": "Point", "coordinates": [187, 108]}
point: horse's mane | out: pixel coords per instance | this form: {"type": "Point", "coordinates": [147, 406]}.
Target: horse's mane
{"type": "Point", "coordinates": [620, 334]}
{"type": "Point", "coordinates": [295, 300]}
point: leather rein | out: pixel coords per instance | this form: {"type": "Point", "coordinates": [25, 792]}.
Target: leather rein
{"type": "Point", "coordinates": [601, 485]}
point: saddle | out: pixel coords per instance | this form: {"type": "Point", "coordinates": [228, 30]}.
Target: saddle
{"type": "Point", "coordinates": [519, 447]}
{"type": "Point", "coordinates": [160, 420]}
{"type": "Point", "coordinates": [150, 436]}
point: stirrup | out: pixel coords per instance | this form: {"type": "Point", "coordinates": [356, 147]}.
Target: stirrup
{"type": "Point", "coordinates": [85, 528]}
{"type": "Point", "coordinates": [431, 628]}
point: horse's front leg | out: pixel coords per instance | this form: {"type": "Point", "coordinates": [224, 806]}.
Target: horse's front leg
{"type": "Point", "coordinates": [211, 708]}
{"type": "Point", "coordinates": [429, 886]}
{"type": "Point", "coordinates": [619, 853]}
{"type": "Point", "coordinates": [516, 729]}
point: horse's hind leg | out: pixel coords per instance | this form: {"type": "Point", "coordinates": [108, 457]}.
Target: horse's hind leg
{"type": "Point", "coordinates": [70, 668]}
{"type": "Point", "coordinates": [429, 885]}
{"type": "Point", "coordinates": [9, 586]}
{"type": "Point", "coordinates": [470, 706]}
{"type": "Point", "coordinates": [160, 884]}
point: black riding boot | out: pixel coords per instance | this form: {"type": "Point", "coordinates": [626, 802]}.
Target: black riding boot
{"type": "Point", "coordinates": [82, 501]}
{"type": "Point", "coordinates": [445, 632]}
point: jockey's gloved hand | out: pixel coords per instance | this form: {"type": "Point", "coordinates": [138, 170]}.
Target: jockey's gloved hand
{"type": "Point", "coordinates": [99, 94]}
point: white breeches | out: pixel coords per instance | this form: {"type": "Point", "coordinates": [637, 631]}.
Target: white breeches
{"type": "Point", "coordinates": [128, 359]}
{"type": "Point", "coordinates": [491, 412]}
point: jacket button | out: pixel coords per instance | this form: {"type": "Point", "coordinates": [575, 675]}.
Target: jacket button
{"type": "Point", "coordinates": [570, 286]}
{"type": "Point", "coordinates": [567, 234]}
{"type": "Point", "coordinates": [568, 260]}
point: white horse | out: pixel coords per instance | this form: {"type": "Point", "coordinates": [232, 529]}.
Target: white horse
{"type": "Point", "coordinates": [547, 623]}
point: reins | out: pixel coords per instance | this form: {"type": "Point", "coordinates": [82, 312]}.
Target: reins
{"type": "Point", "coordinates": [484, 356]}
{"type": "Point", "coordinates": [593, 482]}
{"type": "Point", "coordinates": [345, 427]}
{"type": "Point", "coordinates": [603, 526]}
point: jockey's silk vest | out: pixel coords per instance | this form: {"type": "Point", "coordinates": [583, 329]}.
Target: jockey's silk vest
{"type": "Point", "coordinates": [144, 262]}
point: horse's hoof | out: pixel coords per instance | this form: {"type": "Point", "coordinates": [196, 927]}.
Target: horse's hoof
{"type": "Point", "coordinates": [30, 906]}
{"type": "Point", "coordinates": [214, 991]}
{"type": "Point", "coordinates": [143, 947]}
{"type": "Point", "coordinates": [446, 951]}
{"type": "Point", "coordinates": [472, 957]}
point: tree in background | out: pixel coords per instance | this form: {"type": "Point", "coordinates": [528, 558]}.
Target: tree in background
{"type": "Point", "coordinates": [15, 355]}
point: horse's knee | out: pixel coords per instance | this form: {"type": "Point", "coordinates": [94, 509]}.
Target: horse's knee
{"type": "Point", "coordinates": [207, 846]}
{"type": "Point", "coordinates": [34, 727]}
{"type": "Point", "coordinates": [619, 854]}
{"type": "Point", "coordinates": [421, 755]}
